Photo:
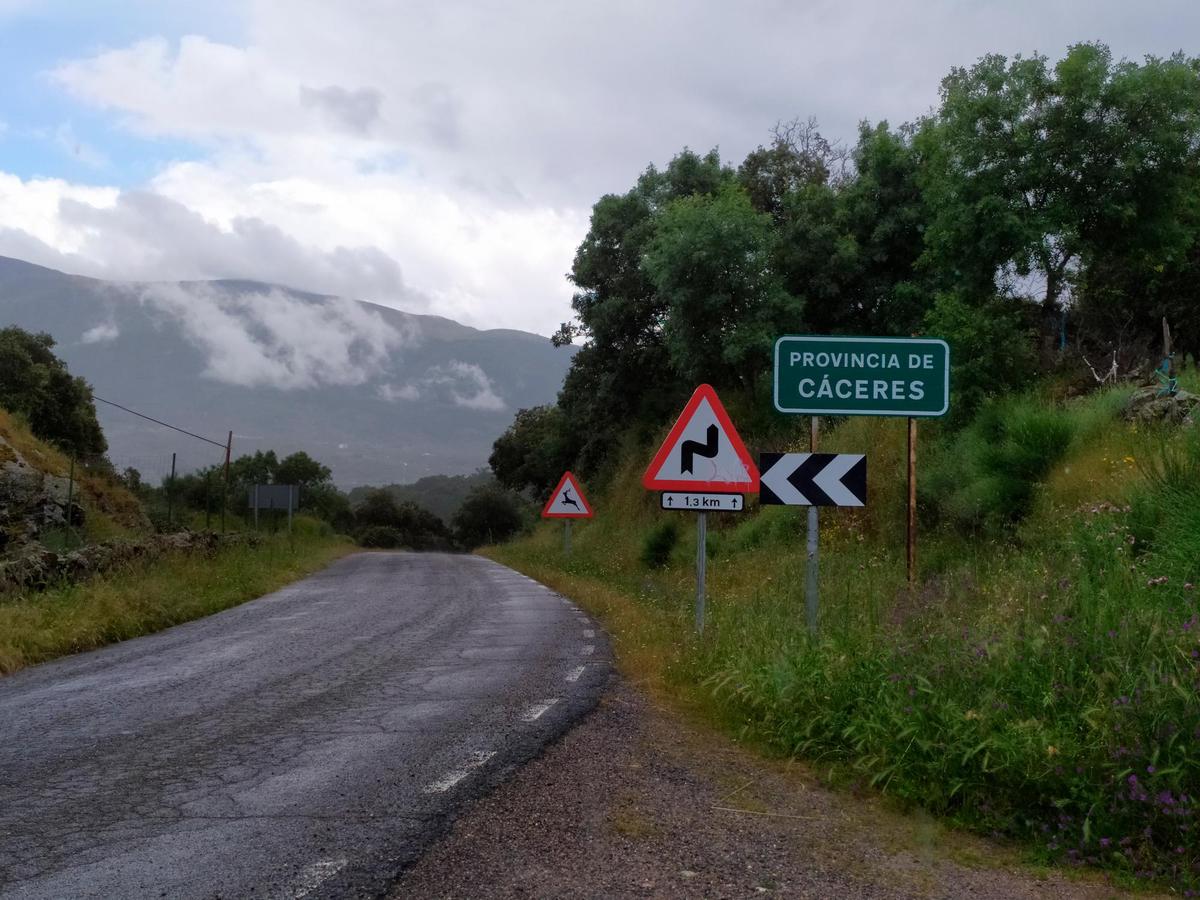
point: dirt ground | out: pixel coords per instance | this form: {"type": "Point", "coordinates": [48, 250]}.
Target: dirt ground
{"type": "Point", "coordinates": [636, 802]}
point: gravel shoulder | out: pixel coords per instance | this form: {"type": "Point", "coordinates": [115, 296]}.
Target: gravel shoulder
{"type": "Point", "coordinates": [637, 802]}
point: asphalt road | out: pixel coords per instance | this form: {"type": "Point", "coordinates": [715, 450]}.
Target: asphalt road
{"type": "Point", "coordinates": [307, 744]}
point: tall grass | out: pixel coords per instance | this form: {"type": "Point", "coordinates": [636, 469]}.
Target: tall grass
{"type": "Point", "coordinates": [151, 595]}
{"type": "Point", "coordinates": [1044, 681]}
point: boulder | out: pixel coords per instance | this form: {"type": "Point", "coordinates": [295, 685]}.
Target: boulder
{"type": "Point", "coordinates": [1147, 407]}
{"type": "Point", "coordinates": [32, 502]}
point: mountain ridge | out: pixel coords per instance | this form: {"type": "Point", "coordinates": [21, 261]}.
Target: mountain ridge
{"type": "Point", "coordinates": [380, 395]}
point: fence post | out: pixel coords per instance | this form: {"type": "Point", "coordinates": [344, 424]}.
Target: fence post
{"type": "Point", "coordinates": [70, 503]}
{"type": "Point", "coordinates": [171, 495]}
{"type": "Point", "coordinates": [225, 485]}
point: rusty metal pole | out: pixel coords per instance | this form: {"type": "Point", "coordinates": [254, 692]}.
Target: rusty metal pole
{"type": "Point", "coordinates": [912, 503]}
{"type": "Point", "coordinates": [225, 486]}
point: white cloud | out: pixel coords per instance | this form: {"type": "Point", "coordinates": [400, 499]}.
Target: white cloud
{"type": "Point", "coordinates": [466, 142]}
{"type": "Point", "coordinates": [469, 385]}
{"type": "Point", "coordinates": [279, 340]}
{"type": "Point", "coordinates": [393, 393]}
{"type": "Point", "coordinates": [463, 384]}
{"type": "Point", "coordinates": [101, 334]}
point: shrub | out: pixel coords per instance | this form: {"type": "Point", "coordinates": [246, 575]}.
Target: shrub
{"type": "Point", "coordinates": [658, 544]}
{"type": "Point", "coordinates": [35, 384]}
{"type": "Point", "coordinates": [984, 479]}
{"type": "Point", "coordinates": [489, 515]}
{"type": "Point", "coordinates": [380, 537]}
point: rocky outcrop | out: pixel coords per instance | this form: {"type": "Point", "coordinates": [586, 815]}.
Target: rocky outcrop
{"type": "Point", "coordinates": [32, 502]}
{"type": "Point", "coordinates": [37, 568]}
{"type": "Point", "coordinates": [1146, 406]}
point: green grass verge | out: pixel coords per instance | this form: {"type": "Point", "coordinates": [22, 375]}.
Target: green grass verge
{"type": "Point", "coordinates": [153, 595]}
{"type": "Point", "coordinates": [1044, 681]}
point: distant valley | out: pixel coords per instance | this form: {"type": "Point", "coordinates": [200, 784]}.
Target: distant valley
{"type": "Point", "coordinates": [379, 395]}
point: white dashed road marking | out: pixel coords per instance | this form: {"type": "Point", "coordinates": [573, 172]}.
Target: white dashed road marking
{"type": "Point", "coordinates": [588, 633]}
{"type": "Point", "coordinates": [535, 712]}
{"type": "Point", "coordinates": [589, 649]}
{"type": "Point", "coordinates": [450, 779]}
{"type": "Point", "coordinates": [574, 674]}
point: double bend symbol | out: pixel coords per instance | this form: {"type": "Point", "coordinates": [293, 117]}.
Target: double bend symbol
{"type": "Point", "coordinates": [692, 449]}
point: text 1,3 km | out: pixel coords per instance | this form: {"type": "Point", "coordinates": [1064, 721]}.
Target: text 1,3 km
{"type": "Point", "coordinates": [703, 502]}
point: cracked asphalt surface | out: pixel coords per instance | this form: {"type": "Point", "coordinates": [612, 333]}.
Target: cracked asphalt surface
{"type": "Point", "coordinates": [310, 743]}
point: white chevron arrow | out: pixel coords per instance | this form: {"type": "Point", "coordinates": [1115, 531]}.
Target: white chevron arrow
{"type": "Point", "coordinates": [776, 478]}
{"type": "Point", "coordinates": [829, 479]}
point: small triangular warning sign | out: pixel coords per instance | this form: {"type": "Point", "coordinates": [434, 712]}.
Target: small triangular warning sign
{"type": "Point", "coordinates": [567, 501]}
{"type": "Point", "coordinates": [703, 452]}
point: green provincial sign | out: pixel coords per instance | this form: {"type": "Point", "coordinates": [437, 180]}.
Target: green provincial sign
{"type": "Point", "coordinates": [853, 376]}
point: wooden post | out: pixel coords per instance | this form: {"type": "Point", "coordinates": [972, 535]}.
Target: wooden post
{"type": "Point", "coordinates": [225, 486]}
{"type": "Point", "coordinates": [171, 495]}
{"type": "Point", "coordinates": [912, 503]}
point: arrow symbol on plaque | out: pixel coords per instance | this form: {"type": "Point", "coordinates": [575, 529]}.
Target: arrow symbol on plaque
{"type": "Point", "coordinates": [813, 479]}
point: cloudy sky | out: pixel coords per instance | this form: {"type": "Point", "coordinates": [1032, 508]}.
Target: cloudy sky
{"type": "Point", "coordinates": [442, 156]}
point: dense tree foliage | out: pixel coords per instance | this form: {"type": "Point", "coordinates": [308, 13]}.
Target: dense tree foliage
{"type": "Point", "coordinates": [442, 495]}
{"type": "Point", "coordinates": [1042, 211]}
{"type": "Point", "coordinates": [35, 384]}
{"type": "Point", "coordinates": [384, 522]}
{"type": "Point", "coordinates": [489, 515]}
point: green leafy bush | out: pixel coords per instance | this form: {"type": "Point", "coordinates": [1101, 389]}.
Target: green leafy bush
{"type": "Point", "coordinates": [985, 478]}
{"type": "Point", "coordinates": [381, 537]}
{"type": "Point", "coordinates": [35, 384]}
{"type": "Point", "coordinates": [659, 543]}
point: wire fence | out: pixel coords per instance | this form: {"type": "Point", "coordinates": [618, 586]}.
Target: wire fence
{"type": "Point", "coordinates": [171, 496]}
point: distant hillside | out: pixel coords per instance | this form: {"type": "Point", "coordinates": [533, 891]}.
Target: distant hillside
{"type": "Point", "coordinates": [379, 395]}
{"type": "Point", "coordinates": [442, 495]}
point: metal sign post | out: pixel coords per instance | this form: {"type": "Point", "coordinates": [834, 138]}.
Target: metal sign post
{"type": "Point", "coordinates": [811, 560]}
{"type": "Point", "coordinates": [853, 376]}
{"type": "Point", "coordinates": [701, 567]}
{"type": "Point", "coordinates": [702, 461]}
{"type": "Point", "coordinates": [272, 497]}
{"type": "Point", "coordinates": [812, 480]}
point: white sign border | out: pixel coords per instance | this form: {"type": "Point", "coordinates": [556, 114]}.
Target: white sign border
{"type": "Point", "coordinates": [861, 412]}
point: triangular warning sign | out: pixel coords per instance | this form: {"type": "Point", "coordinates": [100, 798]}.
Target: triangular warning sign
{"type": "Point", "coordinates": [567, 501]}
{"type": "Point", "coordinates": [703, 452]}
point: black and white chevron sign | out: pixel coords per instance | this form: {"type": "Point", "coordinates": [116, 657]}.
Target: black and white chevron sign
{"type": "Point", "coordinates": [812, 479]}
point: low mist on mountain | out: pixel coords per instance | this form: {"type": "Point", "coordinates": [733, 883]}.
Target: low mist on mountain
{"type": "Point", "coordinates": [379, 395]}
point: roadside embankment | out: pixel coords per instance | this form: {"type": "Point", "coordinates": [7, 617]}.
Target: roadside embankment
{"type": "Point", "coordinates": [1043, 681]}
{"type": "Point", "coordinates": [143, 591]}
